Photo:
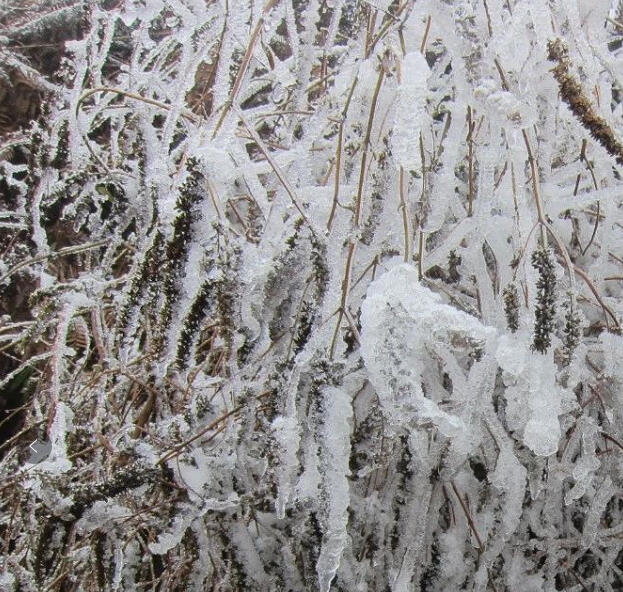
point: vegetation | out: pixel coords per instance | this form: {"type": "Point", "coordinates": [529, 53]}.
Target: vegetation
{"type": "Point", "coordinates": [311, 295]}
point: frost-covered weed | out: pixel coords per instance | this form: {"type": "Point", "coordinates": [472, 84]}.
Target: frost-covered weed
{"type": "Point", "coordinates": [311, 295]}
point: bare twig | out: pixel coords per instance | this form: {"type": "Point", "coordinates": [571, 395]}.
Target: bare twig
{"type": "Point", "coordinates": [338, 155]}
{"type": "Point", "coordinates": [277, 170]}
{"type": "Point", "coordinates": [246, 60]}
{"type": "Point", "coordinates": [468, 517]}
{"type": "Point", "coordinates": [470, 161]}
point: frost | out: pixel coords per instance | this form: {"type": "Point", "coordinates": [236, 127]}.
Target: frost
{"type": "Point", "coordinates": [308, 485]}
{"type": "Point", "coordinates": [99, 514]}
{"type": "Point", "coordinates": [8, 581]}
{"type": "Point", "coordinates": [613, 349]}
{"type": "Point", "coordinates": [287, 437]}
{"type": "Point", "coordinates": [602, 496]}
{"type": "Point", "coordinates": [57, 461]}
{"type": "Point", "coordinates": [518, 575]}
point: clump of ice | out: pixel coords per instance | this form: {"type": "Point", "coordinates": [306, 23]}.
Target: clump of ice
{"type": "Point", "coordinates": [534, 399]}
{"type": "Point", "coordinates": [511, 355]}
{"type": "Point", "coordinates": [401, 320]}
{"type": "Point", "coordinates": [503, 103]}
{"type": "Point", "coordinates": [542, 432]}
{"type": "Point", "coordinates": [588, 463]}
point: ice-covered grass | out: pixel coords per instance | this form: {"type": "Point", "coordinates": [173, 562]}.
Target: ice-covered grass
{"type": "Point", "coordinates": [313, 295]}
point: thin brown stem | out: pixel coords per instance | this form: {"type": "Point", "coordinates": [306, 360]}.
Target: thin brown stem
{"type": "Point", "coordinates": [371, 40]}
{"type": "Point", "coordinates": [470, 162]}
{"type": "Point", "coordinates": [276, 168]}
{"type": "Point", "coordinates": [366, 146]}
{"type": "Point", "coordinates": [616, 23]}
{"type": "Point", "coordinates": [338, 156]}
{"type": "Point", "coordinates": [425, 36]}
{"type": "Point", "coordinates": [468, 517]}
{"type": "Point", "coordinates": [101, 89]}
{"type": "Point", "coordinates": [372, 264]}
{"type": "Point", "coordinates": [350, 256]}
{"type": "Point", "coordinates": [420, 251]}
{"type": "Point", "coordinates": [612, 439]}
{"type": "Point", "coordinates": [590, 242]}
{"type": "Point", "coordinates": [60, 253]}
{"type": "Point", "coordinates": [593, 289]}
{"type": "Point", "coordinates": [405, 217]}
{"type": "Point", "coordinates": [174, 451]}
{"type": "Point", "coordinates": [578, 578]}
{"type": "Point", "coordinates": [335, 333]}
{"type": "Point", "coordinates": [502, 75]}
{"type": "Point", "coordinates": [535, 178]}
{"type": "Point", "coordinates": [246, 60]}
{"type": "Point", "coordinates": [489, 28]}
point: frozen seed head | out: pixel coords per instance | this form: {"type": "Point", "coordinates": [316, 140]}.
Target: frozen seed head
{"type": "Point", "coordinates": [545, 300]}
{"type": "Point", "coordinates": [572, 332]}
{"type": "Point", "coordinates": [511, 307]}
